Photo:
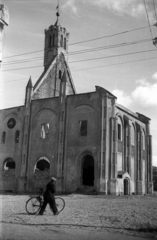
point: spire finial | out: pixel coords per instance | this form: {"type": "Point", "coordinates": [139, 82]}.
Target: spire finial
{"type": "Point", "coordinates": [57, 14]}
{"type": "Point", "coordinates": [57, 8]}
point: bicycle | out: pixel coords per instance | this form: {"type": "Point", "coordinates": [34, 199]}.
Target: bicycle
{"type": "Point", "coordinates": [33, 204]}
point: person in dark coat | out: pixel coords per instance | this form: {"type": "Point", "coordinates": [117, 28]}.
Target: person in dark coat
{"type": "Point", "coordinates": [49, 197]}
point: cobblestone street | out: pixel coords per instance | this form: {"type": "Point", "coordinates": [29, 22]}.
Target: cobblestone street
{"type": "Point", "coordinates": [131, 216]}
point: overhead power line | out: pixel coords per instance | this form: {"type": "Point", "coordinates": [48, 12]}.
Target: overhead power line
{"type": "Point", "coordinates": [94, 39]}
{"type": "Point", "coordinates": [144, 59]}
{"type": "Point", "coordinates": [80, 52]}
{"type": "Point", "coordinates": [148, 19]}
{"type": "Point", "coordinates": [109, 65]}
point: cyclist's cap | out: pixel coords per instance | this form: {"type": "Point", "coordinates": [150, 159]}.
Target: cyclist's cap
{"type": "Point", "coordinates": [53, 178]}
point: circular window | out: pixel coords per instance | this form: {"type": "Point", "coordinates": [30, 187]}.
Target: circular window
{"type": "Point", "coordinates": [11, 123]}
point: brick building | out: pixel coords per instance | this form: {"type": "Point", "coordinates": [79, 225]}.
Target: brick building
{"type": "Point", "coordinates": [88, 141]}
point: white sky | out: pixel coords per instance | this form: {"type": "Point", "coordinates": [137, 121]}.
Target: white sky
{"type": "Point", "coordinates": [134, 83]}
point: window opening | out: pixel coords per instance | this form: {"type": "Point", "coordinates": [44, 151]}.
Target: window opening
{"type": "Point", "coordinates": [53, 40]}
{"type": "Point", "coordinates": [9, 164]}
{"type": "Point", "coordinates": [50, 41]}
{"type": "Point", "coordinates": [17, 135]}
{"type": "Point", "coordinates": [3, 137]}
{"type": "Point", "coordinates": [42, 169]}
{"type": "Point", "coordinates": [119, 132]}
{"type": "Point", "coordinates": [65, 43]}
{"type": "Point", "coordinates": [44, 130]}
{"type": "Point", "coordinates": [83, 128]}
{"type": "Point", "coordinates": [61, 41]}
{"type": "Point", "coordinates": [60, 74]}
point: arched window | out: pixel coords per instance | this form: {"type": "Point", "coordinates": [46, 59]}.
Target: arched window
{"type": "Point", "coordinates": [42, 168]}
{"type": "Point", "coordinates": [9, 168]}
{"type": "Point", "coordinates": [65, 43]}
{"type": "Point", "coordinates": [53, 40]}
{"type": "Point", "coordinates": [132, 135]}
{"type": "Point", "coordinates": [119, 129]}
{"type": "Point", "coordinates": [60, 74]}
{"type": "Point", "coordinates": [17, 136]}
{"type": "Point", "coordinates": [143, 140]}
{"type": "Point", "coordinates": [3, 137]}
{"type": "Point", "coordinates": [61, 41]}
{"type": "Point", "coordinates": [50, 38]}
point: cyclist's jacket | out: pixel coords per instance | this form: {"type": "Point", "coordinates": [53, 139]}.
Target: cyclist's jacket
{"type": "Point", "coordinates": [50, 190]}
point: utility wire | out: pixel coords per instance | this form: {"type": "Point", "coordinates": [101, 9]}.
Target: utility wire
{"type": "Point", "coordinates": [80, 52]}
{"type": "Point", "coordinates": [110, 56]}
{"type": "Point", "coordinates": [144, 59]}
{"type": "Point", "coordinates": [2, 82]}
{"type": "Point", "coordinates": [136, 29]}
{"type": "Point", "coordinates": [148, 19]}
{"type": "Point", "coordinates": [108, 65]}
{"type": "Point", "coordinates": [119, 55]}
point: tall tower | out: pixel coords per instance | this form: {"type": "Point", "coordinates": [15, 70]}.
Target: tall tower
{"type": "Point", "coordinates": [56, 41]}
{"type": "Point", "coordinates": [4, 21]}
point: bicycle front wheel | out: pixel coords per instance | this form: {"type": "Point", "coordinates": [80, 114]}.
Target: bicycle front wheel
{"type": "Point", "coordinates": [33, 205]}
{"type": "Point", "coordinates": [60, 203]}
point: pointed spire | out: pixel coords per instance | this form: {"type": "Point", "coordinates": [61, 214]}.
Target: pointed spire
{"type": "Point", "coordinates": [57, 14]}
{"type": "Point", "coordinates": [30, 85]}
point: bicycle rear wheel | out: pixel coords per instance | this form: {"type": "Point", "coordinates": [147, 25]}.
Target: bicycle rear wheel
{"type": "Point", "coordinates": [60, 203]}
{"type": "Point", "coordinates": [33, 205]}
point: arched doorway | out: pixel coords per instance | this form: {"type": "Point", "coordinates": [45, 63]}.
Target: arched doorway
{"type": "Point", "coordinates": [126, 186]}
{"type": "Point", "coordinates": [88, 170]}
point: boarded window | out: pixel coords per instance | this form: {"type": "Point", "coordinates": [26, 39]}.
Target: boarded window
{"type": "Point", "coordinates": [17, 136]}
{"type": "Point", "coordinates": [3, 137]}
{"type": "Point", "coordinates": [83, 128]}
{"type": "Point", "coordinates": [44, 130]}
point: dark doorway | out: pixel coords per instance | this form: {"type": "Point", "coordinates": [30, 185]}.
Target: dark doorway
{"type": "Point", "coordinates": [126, 187]}
{"type": "Point", "coordinates": [88, 170]}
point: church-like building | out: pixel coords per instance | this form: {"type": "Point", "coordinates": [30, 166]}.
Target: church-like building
{"type": "Point", "coordinates": [87, 141]}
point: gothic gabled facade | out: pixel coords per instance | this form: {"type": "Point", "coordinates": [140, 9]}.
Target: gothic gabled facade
{"type": "Point", "coordinates": [87, 141]}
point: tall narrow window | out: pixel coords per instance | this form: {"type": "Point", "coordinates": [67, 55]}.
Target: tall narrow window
{"type": "Point", "coordinates": [65, 43]}
{"type": "Point", "coordinates": [50, 41]}
{"type": "Point", "coordinates": [3, 137]}
{"type": "Point", "coordinates": [119, 132]}
{"type": "Point", "coordinates": [61, 41]}
{"type": "Point", "coordinates": [60, 74]}
{"type": "Point", "coordinates": [120, 129]}
{"type": "Point", "coordinates": [17, 135]}
{"type": "Point", "coordinates": [132, 135]}
{"type": "Point", "coordinates": [83, 128]}
{"type": "Point", "coordinates": [53, 40]}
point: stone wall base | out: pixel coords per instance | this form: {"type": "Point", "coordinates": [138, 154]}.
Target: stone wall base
{"type": "Point", "coordinates": [112, 183]}
{"type": "Point", "coordinates": [149, 187]}
{"type": "Point", "coordinates": [139, 190]}
{"type": "Point", "coordinates": [103, 186]}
